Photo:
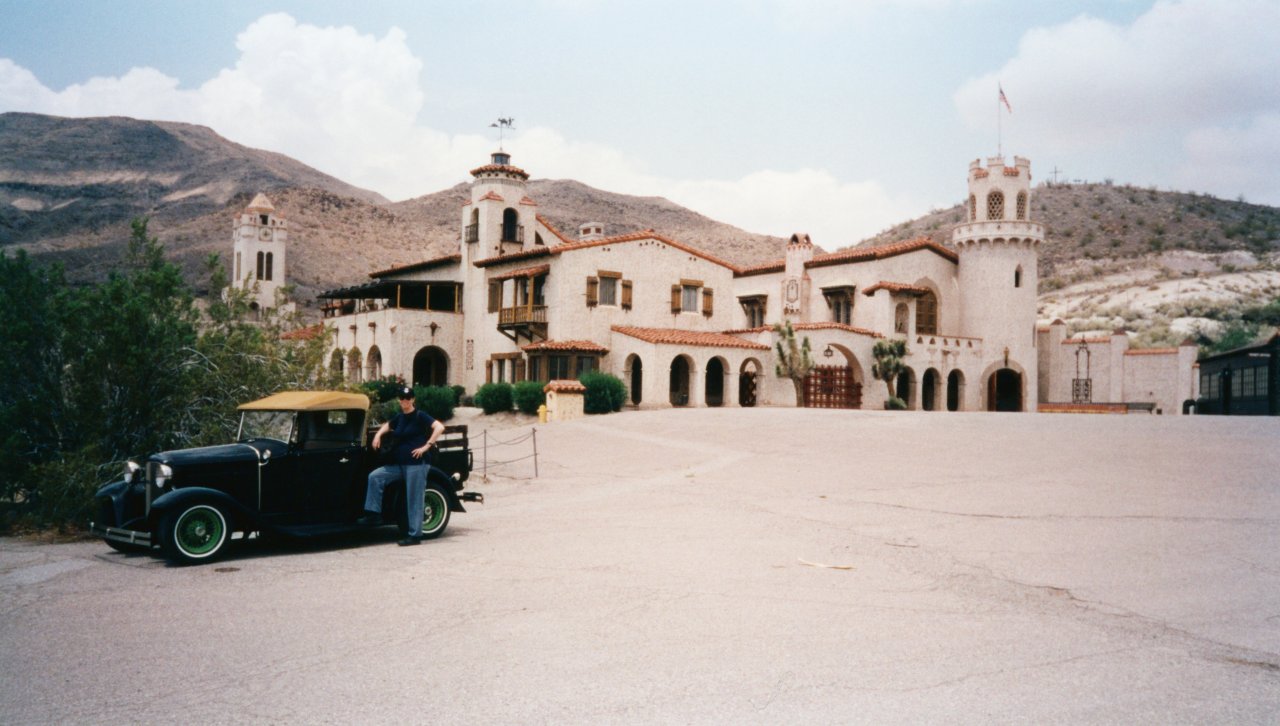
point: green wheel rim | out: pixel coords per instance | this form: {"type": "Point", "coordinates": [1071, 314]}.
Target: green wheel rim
{"type": "Point", "coordinates": [434, 509]}
{"type": "Point", "coordinates": [199, 531]}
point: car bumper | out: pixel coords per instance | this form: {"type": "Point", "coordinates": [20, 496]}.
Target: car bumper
{"type": "Point", "coordinates": [116, 534]}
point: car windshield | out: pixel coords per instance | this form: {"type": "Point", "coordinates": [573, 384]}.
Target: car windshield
{"type": "Point", "coordinates": [276, 425]}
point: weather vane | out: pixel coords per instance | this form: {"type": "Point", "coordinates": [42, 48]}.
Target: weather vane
{"type": "Point", "coordinates": [502, 125]}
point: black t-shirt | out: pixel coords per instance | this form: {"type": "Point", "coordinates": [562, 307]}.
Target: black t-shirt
{"type": "Point", "coordinates": [411, 431]}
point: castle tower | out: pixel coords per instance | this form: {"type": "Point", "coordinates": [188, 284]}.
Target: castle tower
{"type": "Point", "coordinates": [500, 217]}
{"type": "Point", "coordinates": [795, 278]}
{"type": "Point", "coordinates": [998, 276]}
{"type": "Point", "coordinates": [259, 234]}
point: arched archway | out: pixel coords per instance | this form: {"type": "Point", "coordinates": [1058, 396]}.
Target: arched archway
{"type": "Point", "coordinates": [1004, 390]}
{"type": "Point", "coordinates": [354, 366]}
{"type": "Point", "coordinates": [431, 367]}
{"type": "Point", "coordinates": [929, 385]}
{"type": "Point", "coordinates": [713, 386]}
{"type": "Point", "coordinates": [748, 380]}
{"type": "Point", "coordinates": [635, 376]}
{"type": "Point", "coordinates": [906, 387]}
{"type": "Point", "coordinates": [373, 366]}
{"type": "Point", "coordinates": [955, 390]}
{"type": "Point", "coordinates": [335, 363]}
{"type": "Point", "coordinates": [681, 371]}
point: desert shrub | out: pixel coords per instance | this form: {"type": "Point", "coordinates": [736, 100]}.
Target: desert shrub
{"type": "Point", "coordinates": [895, 404]}
{"type": "Point", "coordinates": [605, 392]}
{"type": "Point", "coordinates": [437, 401]}
{"type": "Point", "coordinates": [459, 392]}
{"type": "Point", "coordinates": [528, 396]}
{"type": "Point", "coordinates": [494, 397]}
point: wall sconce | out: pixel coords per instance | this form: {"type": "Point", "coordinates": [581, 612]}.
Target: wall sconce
{"type": "Point", "coordinates": [828, 352]}
{"type": "Point", "coordinates": [434, 327]}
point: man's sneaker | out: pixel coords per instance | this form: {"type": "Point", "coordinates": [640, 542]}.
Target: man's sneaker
{"type": "Point", "coordinates": [370, 519]}
{"type": "Point", "coordinates": [410, 541]}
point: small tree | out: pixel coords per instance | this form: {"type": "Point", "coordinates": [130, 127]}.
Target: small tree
{"type": "Point", "coordinates": [528, 396]}
{"type": "Point", "coordinates": [888, 366]}
{"type": "Point", "coordinates": [794, 360]}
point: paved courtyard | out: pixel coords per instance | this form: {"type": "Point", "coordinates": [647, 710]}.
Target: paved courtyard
{"type": "Point", "coordinates": [718, 566]}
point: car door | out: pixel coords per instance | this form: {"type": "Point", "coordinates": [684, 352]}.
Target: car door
{"type": "Point", "coordinates": [329, 467]}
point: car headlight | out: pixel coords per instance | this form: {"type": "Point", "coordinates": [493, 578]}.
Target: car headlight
{"type": "Point", "coordinates": [131, 469]}
{"type": "Point", "coordinates": [163, 475]}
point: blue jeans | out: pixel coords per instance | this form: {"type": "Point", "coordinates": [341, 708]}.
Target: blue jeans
{"type": "Point", "coordinates": [415, 478]}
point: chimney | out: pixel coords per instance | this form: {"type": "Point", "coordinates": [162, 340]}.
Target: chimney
{"type": "Point", "coordinates": [590, 231]}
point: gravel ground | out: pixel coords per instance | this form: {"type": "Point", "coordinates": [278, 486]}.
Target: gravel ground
{"type": "Point", "coordinates": [717, 566]}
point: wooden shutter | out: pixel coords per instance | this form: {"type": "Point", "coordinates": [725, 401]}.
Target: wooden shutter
{"type": "Point", "coordinates": [675, 298]}
{"type": "Point", "coordinates": [520, 369]}
{"type": "Point", "coordinates": [626, 294]}
{"type": "Point", "coordinates": [593, 291]}
{"type": "Point", "coordinates": [495, 296]}
{"type": "Point", "coordinates": [706, 301]}
{"type": "Point", "coordinates": [488, 371]}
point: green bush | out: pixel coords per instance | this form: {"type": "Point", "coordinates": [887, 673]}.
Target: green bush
{"type": "Point", "coordinates": [494, 397]}
{"type": "Point", "coordinates": [605, 392]}
{"type": "Point", "coordinates": [528, 396]}
{"type": "Point", "coordinates": [895, 404]}
{"type": "Point", "coordinates": [458, 393]}
{"type": "Point", "coordinates": [437, 401]}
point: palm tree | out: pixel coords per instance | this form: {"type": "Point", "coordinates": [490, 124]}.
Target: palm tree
{"type": "Point", "coordinates": [888, 365]}
{"type": "Point", "coordinates": [794, 361]}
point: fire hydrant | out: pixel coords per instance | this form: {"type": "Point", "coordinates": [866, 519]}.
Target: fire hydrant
{"type": "Point", "coordinates": [542, 413]}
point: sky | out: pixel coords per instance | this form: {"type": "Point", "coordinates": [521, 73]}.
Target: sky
{"type": "Point", "coordinates": [839, 118]}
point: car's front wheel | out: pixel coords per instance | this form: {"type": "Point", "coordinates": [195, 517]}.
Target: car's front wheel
{"type": "Point", "coordinates": [198, 533]}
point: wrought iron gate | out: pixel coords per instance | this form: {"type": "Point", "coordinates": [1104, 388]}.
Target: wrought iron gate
{"type": "Point", "coordinates": [832, 387]}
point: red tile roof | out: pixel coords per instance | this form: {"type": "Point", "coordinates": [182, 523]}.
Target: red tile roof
{"type": "Point", "coordinates": [574, 346]}
{"type": "Point", "coordinates": [674, 336]}
{"type": "Point", "coordinates": [307, 333]}
{"type": "Point", "coordinates": [552, 228]}
{"type": "Point", "coordinates": [501, 168]}
{"type": "Point", "coordinates": [492, 195]}
{"type": "Point", "coordinates": [835, 326]}
{"type": "Point", "coordinates": [571, 246]}
{"type": "Point", "coordinates": [1076, 341]}
{"type": "Point", "coordinates": [895, 287]}
{"type": "Point", "coordinates": [523, 272]}
{"type": "Point", "coordinates": [415, 266]}
{"type": "Point", "coordinates": [856, 254]}
{"type": "Point", "coordinates": [1011, 171]}
{"type": "Point", "coordinates": [1152, 351]}
{"type": "Point", "coordinates": [529, 202]}
{"type": "Point", "coordinates": [564, 386]}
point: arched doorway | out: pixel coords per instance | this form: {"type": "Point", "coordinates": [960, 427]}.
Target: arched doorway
{"type": "Point", "coordinates": [714, 386]}
{"type": "Point", "coordinates": [431, 367]}
{"type": "Point", "coordinates": [929, 390]}
{"type": "Point", "coordinates": [1004, 390]}
{"type": "Point", "coordinates": [373, 368]}
{"type": "Point", "coordinates": [354, 366]}
{"type": "Point", "coordinates": [635, 374]}
{"type": "Point", "coordinates": [748, 379]}
{"type": "Point", "coordinates": [680, 381]}
{"type": "Point", "coordinates": [955, 390]}
{"type": "Point", "coordinates": [335, 363]}
{"type": "Point", "coordinates": [906, 387]}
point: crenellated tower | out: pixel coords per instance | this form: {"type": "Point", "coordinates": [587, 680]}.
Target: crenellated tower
{"type": "Point", "coordinates": [999, 271]}
{"type": "Point", "coordinates": [795, 278]}
{"type": "Point", "coordinates": [259, 236]}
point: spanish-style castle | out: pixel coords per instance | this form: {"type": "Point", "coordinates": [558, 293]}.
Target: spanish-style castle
{"type": "Point", "coordinates": [522, 300]}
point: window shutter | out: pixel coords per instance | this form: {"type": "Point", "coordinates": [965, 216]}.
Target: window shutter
{"type": "Point", "coordinates": [626, 294]}
{"type": "Point", "coordinates": [488, 371]}
{"type": "Point", "coordinates": [706, 301]}
{"type": "Point", "coordinates": [495, 296]}
{"type": "Point", "coordinates": [593, 291]}
{"type": "Point", "coordinates": [675, 298]}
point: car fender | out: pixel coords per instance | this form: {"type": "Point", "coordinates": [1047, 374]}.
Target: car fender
{"type": "Point", "coordinates": [116, 492]}
{"type": "Point", "coordinates": [447, 484]}
{"type": "Point", "coordinates": [242, 517]}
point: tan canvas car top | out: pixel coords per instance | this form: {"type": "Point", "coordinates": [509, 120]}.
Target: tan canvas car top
{"type": "Point", "coordinates": [309, 401]}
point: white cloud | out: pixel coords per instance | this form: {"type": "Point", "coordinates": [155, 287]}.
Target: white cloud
{"type": "Point", "coordinates": [347, 103]}
{"type": "Point", "coordinates": [1176, 72]}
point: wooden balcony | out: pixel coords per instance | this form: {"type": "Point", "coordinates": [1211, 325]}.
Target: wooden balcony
{"type": "Point", "coordinates": [524, 321]}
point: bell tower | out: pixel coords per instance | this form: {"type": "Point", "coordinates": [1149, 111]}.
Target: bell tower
{"type": "Point", "coordinates": [998, 274]}
{"type": "Point", "coordinates": [259, 235]}
{"type": "Point", "coordinates": [499, 219]}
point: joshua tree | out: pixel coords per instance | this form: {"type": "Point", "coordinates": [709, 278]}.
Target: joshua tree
{"type": "Point", "coordinates": [888, 365]}
{"type": "Point", "coordinates": [794, 361]}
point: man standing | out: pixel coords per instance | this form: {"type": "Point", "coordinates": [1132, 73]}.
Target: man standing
{"type": "Point", "coordinates": [414, 433]}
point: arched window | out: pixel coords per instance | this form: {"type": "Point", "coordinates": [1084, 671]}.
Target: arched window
{"type": "Point", "coordinates": [900, 314]}
{"type": "Point", "coordinates": [927, 314]}
{"type": "Point", "coordinates": [510, 225]}
{"type": "Point", "coordinates": [995, 206]}
{"type": "Point", "coordinates": [353, 366]}
{"type": "Point", "coordinates": [973, 208]}
{"type": "Point", "coordinates": [260, 261]}
{"type": "Point", "coordinates": [1017, 277]}
{"type": "Point", "coordinates": [374, 365]}
{"type": "Point", "coordinates": [335, 363]}
{"type": "Point", "coordinates": [270, 263]}
{"type": "Point", "coordinates": [1022, 205]}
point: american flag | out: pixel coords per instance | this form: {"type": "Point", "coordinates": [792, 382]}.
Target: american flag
{"type": "Point", "coordinates": [1004, 100]}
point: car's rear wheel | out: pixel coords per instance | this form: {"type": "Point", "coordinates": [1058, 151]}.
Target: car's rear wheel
{"type": "Point", "coordinates": [198, 533]}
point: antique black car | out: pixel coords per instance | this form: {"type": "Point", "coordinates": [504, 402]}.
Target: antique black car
{"type": "Point", "coordinates": [299, 468]}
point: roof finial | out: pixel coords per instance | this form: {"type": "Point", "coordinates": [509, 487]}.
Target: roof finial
{"type": "Point", "coordinates": [502, 124]}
